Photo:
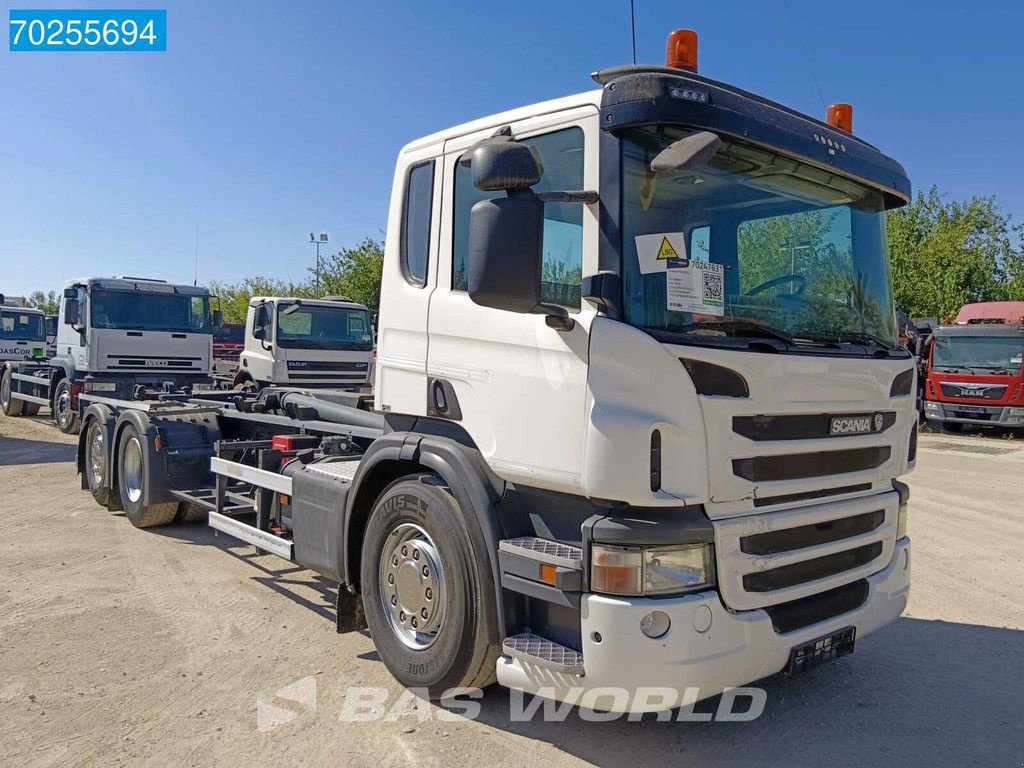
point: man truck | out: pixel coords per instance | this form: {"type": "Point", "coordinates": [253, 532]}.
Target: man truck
{"type": "Point", "coordinates": [975, 375]}
{"type": "Point", "coordinates": [640, 407]}
{"type": "Point", "coordinates": [118, 336]}
{"type": "Point", "coordinates": [306, 343]}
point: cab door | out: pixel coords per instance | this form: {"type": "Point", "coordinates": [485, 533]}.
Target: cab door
{"type": "Point", "coordinates": [516, 385]}
{"type": "Point", "coordinates": [409, 277]}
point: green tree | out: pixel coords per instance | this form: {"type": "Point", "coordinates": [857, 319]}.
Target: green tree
{"type": "Point", "coordinates": [234, 297]}
{"type": "Point", "coordinates": [47, 302]}
{"type": "Point", "coordinates": [947, 253]}
{"type": "Point", "coordinates": [354, 272]}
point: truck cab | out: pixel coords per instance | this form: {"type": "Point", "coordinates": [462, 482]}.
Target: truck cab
{"type": "Point", "coordinates": [975, 375]}
{"type": "Point", "coordinates": [22, 331]}
{"type": "Point", "coordinates": [304, 343]}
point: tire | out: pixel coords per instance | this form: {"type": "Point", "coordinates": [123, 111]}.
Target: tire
{"type": "Point", "coordinates": [190, 513]}
{"type": "Point", "coordinates": [30, 409]}
{"type": "Point", "coordinates": [9, 405]}
{"type": "Point", "coordinates": [132, 473]}
{"type": "Point", "coordinates": [94, 463]}
{"type": "Point", "coordinates": [439, 580]}
{"type": "Point", "coordinates": [64, 415]}
{"type": "Point", "coordinates": [243, 381]}
{"type": "Point", "coordinates": [954, 427]}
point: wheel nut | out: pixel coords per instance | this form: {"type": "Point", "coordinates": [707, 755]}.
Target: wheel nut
{"type": "Point", "coordinates": [401, 615]}
{"type": "Point", "coordinates": [391, 578]}
{"type": "Point", "coordinates": [415, 554]}
{"type": "Point", "coordinates": [423, 613]}
{"type": "Point", "coordinates": [426, 571]}
{"type": "Point", "coordinates": [429, 593]}
{"type": "Point", "coordinates": [405, 551]}
{"type": "Point", "coordinates": [394, 599]}
{"type": "Point", "coordinates": [414, 621]}
{"type": "Point", "coordinates": [394, 560]}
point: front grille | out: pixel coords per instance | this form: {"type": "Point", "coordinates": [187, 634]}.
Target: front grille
{"type": "Point", "coordinates": [797, 614]}
{"type": "Point", "coordinates": [789, 498]}
{"type": "Point", "coordinates": [811, 570]}
{"type": "Point", "coordinates": [327, 377]}
{"type": "Point", "coordinates": [805, 426]}
{"type": "Point", "coordinates": [975, 392]}
{"type": "Point", "coordinates": [788, 539]}
{"type": "Point", "coordinates": [795, 466]}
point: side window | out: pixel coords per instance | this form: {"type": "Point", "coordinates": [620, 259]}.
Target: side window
{"type": "Point", "coordinates": [561, 155]}
{"type": "Point", "coordinates": [415, 245]}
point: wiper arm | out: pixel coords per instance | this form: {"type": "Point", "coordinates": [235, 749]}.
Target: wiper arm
{"type": "Point", "coordinates": [739, 326]}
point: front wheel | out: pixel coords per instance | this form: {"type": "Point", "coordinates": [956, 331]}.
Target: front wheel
{"type": "Point", "coordinates": [10, 405]}
{"type": "Point", "coordinates": [428, 598]}
{"type": "Point", "coordinates": [64, 413]}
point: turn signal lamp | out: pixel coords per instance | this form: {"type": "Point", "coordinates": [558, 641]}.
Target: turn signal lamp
{"type": "Point", "coordinates": [840, 116]}
{"type": "Point", "coordinates": [682, 50]}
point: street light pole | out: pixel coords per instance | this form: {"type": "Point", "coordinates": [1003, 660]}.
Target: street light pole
{"type": "Point", "coordinates": [317, 240]}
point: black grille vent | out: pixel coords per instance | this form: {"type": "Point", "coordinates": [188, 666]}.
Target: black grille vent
{"type": "Point", "coordinates": [797, 614]}
{"type": "Point", "coordinates": [788, 539]}
{"type": "Point", "coordinates": [811, 570]}
{"type": "Point", "coordinates": [710, 379]}
{"type": "Point", "coordinates": [804, 426]}
{"type": "Point", "coordinates": [788, 498]}
{"type": "Point", "coordinates": [902, 383]}
{"type": "Point", "coordinates": [794, 466]}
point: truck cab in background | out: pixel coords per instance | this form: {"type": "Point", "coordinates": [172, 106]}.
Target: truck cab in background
{"type": "Point", "coordinates": [976, 368]}
{"type": "Point", "coordinates": [22, 330]}
{"type": "Point", "coordinates": [115, 335]}
{"type": "Point", "coordinates": [306, 343]}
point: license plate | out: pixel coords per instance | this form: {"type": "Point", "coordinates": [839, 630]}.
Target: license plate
{"type": "Point", "coordinates": [820, 651]}
{"type": "Point", "coordinates": [972, 411]}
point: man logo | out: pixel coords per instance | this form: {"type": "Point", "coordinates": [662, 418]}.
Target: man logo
{"type": "Point", "coordinates": [273, 711]}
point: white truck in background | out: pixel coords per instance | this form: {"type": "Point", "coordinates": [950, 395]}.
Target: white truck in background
{"type": "Point", "coordinates": [22, 331]}
{"type": "Point", "coordinates": [306, 343]}
{"type": "Point", "coordinates": [629, 441]}
{"type": "Point", "coordinates": [115, 336]}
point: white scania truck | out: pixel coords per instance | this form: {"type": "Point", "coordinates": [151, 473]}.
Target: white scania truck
{"type": "Point", "coordinates": [640, 406]}
{"type": "Point", "coordinates": [115, 336]}
{"type": "Point", "coordinates": [306, 343]}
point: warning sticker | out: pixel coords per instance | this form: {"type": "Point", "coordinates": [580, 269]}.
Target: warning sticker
{"type": "Point", "coordinates": [660, 251]}
{"type": "Point", "coordinates": [697, 287]}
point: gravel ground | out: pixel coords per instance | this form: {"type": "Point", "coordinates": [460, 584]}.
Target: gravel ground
{"type": "Point", "coordinates": [171, 647]}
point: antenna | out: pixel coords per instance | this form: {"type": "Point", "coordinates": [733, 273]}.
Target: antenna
{"type": "Point", "coordinates": [195, 277]}
{"type": "Point", "coordinates": [632, 28]}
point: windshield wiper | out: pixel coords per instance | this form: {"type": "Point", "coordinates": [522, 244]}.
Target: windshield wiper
{"type": "Point", "coordinates": [743, 327]}
{"type": "Point", "coordinates": [864, 339]}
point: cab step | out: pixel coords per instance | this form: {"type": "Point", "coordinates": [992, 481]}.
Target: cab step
{"type": "Point", "coordinates": [534, 649]}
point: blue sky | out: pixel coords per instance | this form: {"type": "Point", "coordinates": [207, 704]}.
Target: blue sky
{"type": "Point", "coordinates": [265, 121]}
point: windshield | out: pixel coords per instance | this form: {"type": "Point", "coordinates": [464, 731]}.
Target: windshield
{"type": "Point", "coordinates": [137, 311]}
{"type": "Point", "coordinates": [752, 244]}
{"type": "Point", "coordinates": [981, 353]}
{"type": "Point", "coordinates": [21, 326]}
{"type": "Point", "coordinates": [304, 326]}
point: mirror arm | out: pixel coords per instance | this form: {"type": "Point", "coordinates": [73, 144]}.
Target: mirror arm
{"type": "Point", "coordinates": [585, 196]}
{"type": "Point", "coordinates": [557, 316]}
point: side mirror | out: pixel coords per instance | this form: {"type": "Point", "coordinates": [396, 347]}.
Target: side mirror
{"type": "Point", "coordinates": [70, 293]}
{"type": "Point", "coordinates": [504, 165]}
{"type": "Point", "coordinates": [919, 346]}
{"type": "Point", "coordinates": [217, 317]}
{"type": "Point", "coordinates": [505, 236]}
{"type": "Point", "coordinates": [72, 312]}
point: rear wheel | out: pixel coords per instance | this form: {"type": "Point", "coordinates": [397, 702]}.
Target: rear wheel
{"type": "Point", "coordinates": [8, 404]}
{"type": "Point", "coordinates": [133, 471]}
{"type": "Point", "coordinates": [64, 413]}
{"type": "Point", "coordinates": [95, 463]}
{"type": "Point", "coordinates": [428, 598]}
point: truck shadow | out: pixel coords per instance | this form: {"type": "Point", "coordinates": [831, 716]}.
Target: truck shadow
{"type": "Point", "coordinates": [15, 451]}
{"type": "Point", "coordinates": [918, 692]}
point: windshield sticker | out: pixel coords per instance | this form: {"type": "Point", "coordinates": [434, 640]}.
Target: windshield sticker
{"type": "Point", "coordinates": [696, 287]}
{"type": "Point", "coordinates": [660, 251]}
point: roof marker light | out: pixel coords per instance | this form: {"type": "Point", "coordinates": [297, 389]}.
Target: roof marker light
{"type": "Point", "coordinates": [840, 116]}
{"type": "Point", "coordinates": [681, 52]}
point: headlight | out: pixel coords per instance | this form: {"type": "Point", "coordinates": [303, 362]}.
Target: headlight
{"type": "Point", "coordinates": [1015, 414]}
{"type": "Point", "coordinates": [930, 407]}
{"type": "Point", "coordinates": [650, 571]}
{"type": "Point", "coordinates": [901, 522]}
{"type": "Point", "coordinates": [100, 386]}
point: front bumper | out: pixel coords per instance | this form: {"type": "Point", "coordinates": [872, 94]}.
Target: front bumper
{"type": "Point", "coordinates": [735, 648]}
{"type": "Point", "coordinates": [990, 415]}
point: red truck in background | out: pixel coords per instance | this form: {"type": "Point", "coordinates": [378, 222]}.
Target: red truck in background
{"type": "Point", "coordinates": [228, 341]}
{"type": "Point", "coordinates": [975, 368]}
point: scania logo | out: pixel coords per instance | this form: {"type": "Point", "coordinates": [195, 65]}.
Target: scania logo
{"type": "Point", "coordinates": [856, 425]}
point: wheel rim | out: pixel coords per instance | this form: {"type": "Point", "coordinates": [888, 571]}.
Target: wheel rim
{"type": "Point", "coordinates": [97, 454]}
{"type": "Point", "coordinates": [63, 407]}
{"type": "Point", "coordinates": [131, 469]}
{"type": "Point", "coordinates": [412, 586]}
{"type": "Point", "coordinates": [5, 391]}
